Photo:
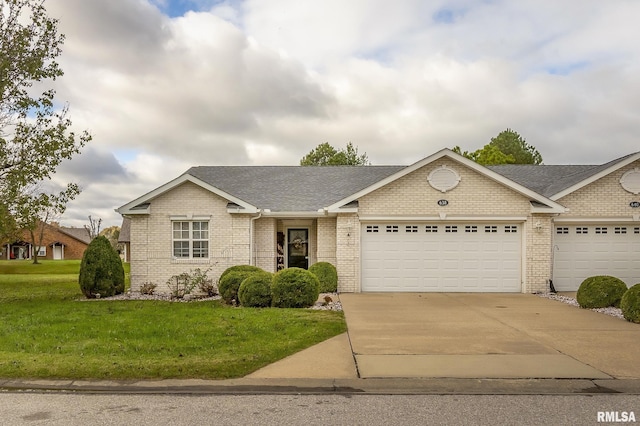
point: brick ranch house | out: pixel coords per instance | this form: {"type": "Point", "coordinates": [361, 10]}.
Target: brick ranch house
{"type": "Point", "coordinates": [443, 224]}
{"type": "Point", "coordinates": [58, 243]}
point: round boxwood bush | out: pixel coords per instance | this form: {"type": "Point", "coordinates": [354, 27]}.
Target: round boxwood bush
{"type": "Point", "coordinates": [240, 268]}
{"type": "Point", "coordinates": [294, 288]}
{"type": "Point", "coordinates": [600, 291]}
{"type": "Point", "coordinates": [630, 304]}
{"type": "Point", "coordinates": [255, 290]}
{"type": "Point", "coordinates": [327, 275]}
{"type": "Point", "coordinates": [101, 271]}
{"type": "Point", "coordinates": [230, 281]}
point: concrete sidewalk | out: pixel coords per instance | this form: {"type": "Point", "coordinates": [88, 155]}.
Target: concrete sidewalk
{"type": "Point", "coordinates": [331, 359]}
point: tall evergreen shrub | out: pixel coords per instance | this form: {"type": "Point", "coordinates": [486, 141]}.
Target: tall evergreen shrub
{"type": "Point", "coordinates": [101, 271]}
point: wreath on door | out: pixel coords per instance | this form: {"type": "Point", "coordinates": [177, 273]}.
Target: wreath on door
{"type": "Point", "coordinates": [297, 243]}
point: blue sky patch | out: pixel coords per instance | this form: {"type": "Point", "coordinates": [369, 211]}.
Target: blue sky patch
{"type": "Point", "coordinates": [176, 8]}
{"type": "Point", "coordinates": [444, 16]}
{"type": "Point", "coordinates": [125, 156]}
{"type": "Point", "coordinates": [566, 69]}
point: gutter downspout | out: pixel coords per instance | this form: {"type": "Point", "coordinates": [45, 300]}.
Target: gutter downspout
{"type": "Point", "coordinates": [251, 232]}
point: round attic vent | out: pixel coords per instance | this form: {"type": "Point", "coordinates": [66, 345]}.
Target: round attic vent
{"type": "Point", "coordinates": [443, 179]}
{"type": "Point", "coordinates": [630, 181]}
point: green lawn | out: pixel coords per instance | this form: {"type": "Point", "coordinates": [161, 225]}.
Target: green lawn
{"type": "Point", "coordinates": [48, 331]}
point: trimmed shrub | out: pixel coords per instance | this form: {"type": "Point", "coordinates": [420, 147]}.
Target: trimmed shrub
{"type": "Point", "coordinates": [294, 288]}
{"type": "Point", "coordinates": [600, 291]}
{"type": "Point", "coordinates": [255, 290]}
{"type": "Point", "coordinates": [230, 281]}
{"type": "Point", "coordinates": [240, 268]}
{"type": "Point", "coordinates": [630, 304]}
{"type": "Point", "coordinates": [327, 275]}
{"type": "Point", "coordinates": [101, 271]}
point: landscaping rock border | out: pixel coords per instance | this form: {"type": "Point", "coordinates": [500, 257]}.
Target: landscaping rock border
{"type": "Point", "coordinates": [323, 304]}
{"type": "Point", "coordinates": [611, 311]}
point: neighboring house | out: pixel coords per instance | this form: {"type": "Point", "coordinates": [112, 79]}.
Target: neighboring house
{"type": "Point", "coordinates": [125, 240]}
{"type": "Point", "coordinates": [443, 224]}
{"type": "Point", "coordinates": [58, 243]}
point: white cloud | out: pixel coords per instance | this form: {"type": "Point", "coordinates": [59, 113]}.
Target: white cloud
{"type": "Point", "coordinates": [264, 82]}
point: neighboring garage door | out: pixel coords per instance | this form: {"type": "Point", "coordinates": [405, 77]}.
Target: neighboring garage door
{"type": "Point", "coordinates": [581, 251]}
{"type": "Point", "coordinates": [422, 257]}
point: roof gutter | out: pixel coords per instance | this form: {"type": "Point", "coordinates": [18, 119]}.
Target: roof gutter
{"type": "Point", "coordinates": [251, 232]}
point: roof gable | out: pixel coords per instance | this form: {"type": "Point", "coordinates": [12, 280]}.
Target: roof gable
{"type": "Point", "coordinates": [557, 181]}
{"type": "Point", "coordinates": [141, 205]}
{"type": "Point", "coordinates": [597, 173]}
{"type": "Point", "coordinates": [551, 206]}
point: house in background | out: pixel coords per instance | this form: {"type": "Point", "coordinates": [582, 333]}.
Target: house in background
{"type": "Point", "coordinates": [125, 240]}
{"type": "Point", "coordinates": [443, 224]}
{"type": "Point", "coordinates": [58, 243]}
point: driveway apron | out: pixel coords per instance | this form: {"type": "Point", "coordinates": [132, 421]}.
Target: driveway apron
{"type": "Point", "coordinates": [465, 335]}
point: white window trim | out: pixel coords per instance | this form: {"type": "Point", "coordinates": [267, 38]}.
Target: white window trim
{"type": "Point", "coordinates": [191, 240]}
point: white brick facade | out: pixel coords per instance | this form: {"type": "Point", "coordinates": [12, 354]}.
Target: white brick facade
{"type": "Point", "coordinates": [336, 237]}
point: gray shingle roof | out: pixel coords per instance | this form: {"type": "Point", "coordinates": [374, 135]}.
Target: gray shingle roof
{"type": "Point", "coordinates": [549, 180]}
{"type": "Point", "coordinates": [309, 189]}
{"type": "Point", "coordinates": [80, 234]}
{"type": "Point", "coordinates": [125, 231]}
{"type": "Point", "coordinates": [292, 188]}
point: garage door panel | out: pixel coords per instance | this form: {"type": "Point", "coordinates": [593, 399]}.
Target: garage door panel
{"type": "Point", "coordinates": [585, 250]}
{"type": "Point", "coordinates": [467, 258]}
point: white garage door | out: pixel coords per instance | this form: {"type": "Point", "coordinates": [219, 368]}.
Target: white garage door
{"type": "Point", "coordinates": [465, 257]}
{"type": "Point", "coordinates": [581, 251]}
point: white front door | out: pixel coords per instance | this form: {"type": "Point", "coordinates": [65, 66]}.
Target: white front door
{"type": "Point", "coordinates": [57, 252]}
{"type": "Point", "coordinates": [452, 257]}
{"type": "Point", "coordinates": [585, 250]}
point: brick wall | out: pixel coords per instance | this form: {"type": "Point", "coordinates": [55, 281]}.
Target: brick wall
{"type": "Point", "coordinates": [326, 237]}
{"type": "Point", "coordinates": [151, 236]}
{"type": "Point", "coordinates": [538, 253]}
{"type": "Point", "coordinates": [475, 195]}
{"type": "Point", "coordinates": [603, 198]}
{"type": "Point", "coordinates": [348, 252]}
{"type": "Point", "coordinates": [265, 243]}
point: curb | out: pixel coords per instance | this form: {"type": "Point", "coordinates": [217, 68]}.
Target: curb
{"type": "Point", "coordinates": [333, 386]}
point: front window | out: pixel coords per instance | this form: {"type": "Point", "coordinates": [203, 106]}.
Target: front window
{"type": "Point", "coordinates": [190, 239]}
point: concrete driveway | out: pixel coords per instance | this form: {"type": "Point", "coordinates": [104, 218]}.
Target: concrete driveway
{"type": "Point", "coordinates": [486, 336]}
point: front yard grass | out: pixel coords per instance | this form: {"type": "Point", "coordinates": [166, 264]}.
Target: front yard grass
{"type": "Point", "coordinates": [47, 330]}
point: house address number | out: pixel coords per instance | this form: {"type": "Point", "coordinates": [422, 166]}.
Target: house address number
{"type": "Point", "coordinates": [443, 203]}
{"type": "Point", "coordinates": [634, 204]}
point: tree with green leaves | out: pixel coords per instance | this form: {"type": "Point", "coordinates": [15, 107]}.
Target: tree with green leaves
{"type": "Point", "coordinates": [35, 135]}
{"type": "Point", "coordinates": [506, 148]}
{"type": "Point", "coordinates": [326, 155]}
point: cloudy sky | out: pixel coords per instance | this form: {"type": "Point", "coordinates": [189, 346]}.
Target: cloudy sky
{"type": "Point", "coordinates": [166, 84]}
